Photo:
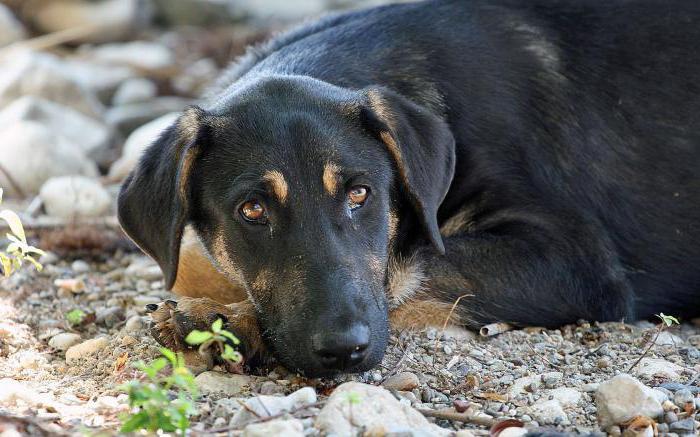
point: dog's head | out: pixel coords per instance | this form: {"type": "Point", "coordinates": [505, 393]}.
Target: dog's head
{"type": "Point", "coordinates": [296, 188]}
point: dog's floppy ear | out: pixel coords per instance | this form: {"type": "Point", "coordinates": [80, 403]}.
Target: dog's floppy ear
{"type": "Point", "coordinates": [153, 205]}
{"type": "Point", "coordinates": [422, 147]}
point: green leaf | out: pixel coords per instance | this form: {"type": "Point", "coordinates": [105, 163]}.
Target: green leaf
{"type": "Point", "coordinates": [135, 422]}
{"type": "Point", "coordinates": [36, 263]}
{"type": "Point", "coordinates": [198, 337]}
{"type": "Point", "coordinates": [230, 336]}
{"type": "Point", "coordinates": [668, 320]}
{"type": "Point", "coordinates": [170, 355]}
{"type": "Point", "coordinates": [75, 317]}
{"type": "Point", "coordinates": [14, 222]}
{"type": "Point", "coordinates": [217, 325]}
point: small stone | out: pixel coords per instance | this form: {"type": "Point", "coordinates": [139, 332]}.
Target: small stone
{"type": "Point", "coordinates": [135, 90]}
{"type": "Point", "coordinates": [75, 196]}
{"type": "Point", "coordinates": [279, 427]}
{"type": "Point", "coordinates": [682, 397]}
{"type": "Point", "coordinates": [79, 351]}
{"type": "Point", "coordinates": [143, 55]}
{"type": "Point", "coordinates": [623, 397]}
{"type": "Point", "coordinates": [64, 340]}
{"type": "Point", "coordinates": [650, 367]}
{"type": "Point", "coordinates": [513, 431]}
{"type": "Point", "coordinates": [670, 417]}
{"type": "Point", "coordinates": [404, 381]}
{"type": "Point", "coordinates": [683, 426]}
{"type": "Point", "coordinates": [48, 258]}
{"type": "Point", "coordinates": [110, 316]}
{"type": "Point", "coordinates": [134, 324]}
{"type": "Point", "coordinates": [375, 408]}
{"type": "Point", "coordinates": [79, 266]}
{"type": "Point", "coordinates": [260, 406]}
{"type": "Point", "coordinates": [566, 396]}
{"type": "Point", "coordinates": [128, 341]}
{"type": "Point", "coordinates": [548, 412]}
{"type": "Point", "coordinates": [270, 388]}
{"type": "Point", "coordinates": [75, 286]}
{"type": "Point", "coordinates": [552, 379]}
{"type": "Point", "coordinates": [225, 383]}
{"type": "Point", "coordinates": [666, 338]}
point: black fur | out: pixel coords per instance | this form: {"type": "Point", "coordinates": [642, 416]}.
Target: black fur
{"type": "Point", "coordinates": [575, 130]}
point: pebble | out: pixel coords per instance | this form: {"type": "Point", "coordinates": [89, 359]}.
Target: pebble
{"type": "Point", "coordinates": [135, 90]}
{"type": "Point", "coordinates": [75, 196]}
{"type": "Point", "coordinates": [64, 340]}
{"type": "Point", "coordinates": [270, 388]}
{"type": "Point", "coordinates": [548, 412]}
{"type": "Point", "coordinates": [80, 351]}
{"type": "Point", "coordinates": [261, 406]}
{"type": "Point", "coordinates": [648, 368]}
{"type": "Point", "coordinates": [566, 396]}
{"type": "Point", "coordinates": [278, 427]}
{"type": "Point", "coordinates": [110, 316]}
{"type": "Point", "coordinates": [552, 379]}
{"type": "Point", "coordinates": [223, 383]}
{"type": "Point", "coordinates": [375, 408]}
{"type": "Point", "coordinates": [76, 286]}
{"type": "Point", "coordinates": [683, 426]}
{"type": "Point", "coordinates": [134, 324]}
{"type": "Point", "coordinates": [79, 266]}
{"type": "Point", "coordinates": [621, 398]}
{"type": "Point", "coordinates": [682, 397]}
{"type": "Point", "coordinates": [404, 381]}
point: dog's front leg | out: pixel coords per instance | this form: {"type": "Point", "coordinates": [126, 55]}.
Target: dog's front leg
{"type": "Point", "coordinates": [173, 321]}
{"type": "Point", "coordinates": [526, 279]}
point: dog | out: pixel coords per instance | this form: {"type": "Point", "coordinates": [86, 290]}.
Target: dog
{"type": "Point", "coordinates": [537, 161]}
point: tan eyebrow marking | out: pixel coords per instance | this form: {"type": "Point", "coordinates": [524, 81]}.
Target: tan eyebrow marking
{"type": "Point", "coordinates": [330, 177]}
{"type": "Point", "coordinates": [277, 183]}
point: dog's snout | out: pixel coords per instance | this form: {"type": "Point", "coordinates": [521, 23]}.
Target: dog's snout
{"type": "Point", "coordinates": [338, 350]}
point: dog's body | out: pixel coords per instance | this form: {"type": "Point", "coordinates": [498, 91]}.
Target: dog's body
{"type": "Point", "coordinates": [556, 145]}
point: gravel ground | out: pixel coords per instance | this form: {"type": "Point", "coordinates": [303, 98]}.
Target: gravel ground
{"type": "Point", "coordinates": [544, 378]}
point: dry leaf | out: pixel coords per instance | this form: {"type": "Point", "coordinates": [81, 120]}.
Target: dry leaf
{"type": "Point", "coordinates": [640, 426]}
{"type": "Point", "coordinates": [503, 424]}
{"type": "Point", "coordinates": [120, 363]}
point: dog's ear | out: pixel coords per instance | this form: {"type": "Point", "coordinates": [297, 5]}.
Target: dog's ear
{"type": "Point", "coordinates": [422, 147]}
{"type": "Point", "coordinates": [153, 206]}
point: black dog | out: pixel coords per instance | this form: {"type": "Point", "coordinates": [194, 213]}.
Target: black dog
{"type": "Point", "coordinates": [539, 158]}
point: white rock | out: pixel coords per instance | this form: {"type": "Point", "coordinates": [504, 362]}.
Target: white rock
{"type": "Point", "coordinates": [91, 136]}
{"type": "Point", "coordinates": [648, 367]}
{"type": "Point", "coordinates": [96, 77]}
{"type": "Point", "coordinates": [135, 90]}
{"type": "Point", "coordinates": [32, 154]}
{"type": "Point", "coordinates": [566, 396]}
{"type": "Point", "coordinates": [111, 19]}
{"type": "Point", "coordinates": [143, 55]}
{"type": "Point", "coordinates": [128, 118]}
{"type": "Point", "coordinates": [666, 338]}
{"type": "Point", "coordinates": [271, 405]}
{"type": "Point", "coordinates": [226, 383]}
{"type": "Point", "coordinates": [375, 409]}
{"type": "Point", "coordinates": [287, 428]}
{"type": "Point", "coordinates": [548, 411]}
{"type": "Point", "coordinates": [79, 351]}
{"type": "Point", "coordinates": [74, 196]}
{"type": "Point", "coordinates": [621, 398]}
{"type": "Point", "coordinates": [518, 386]}
{"type": "Point", "coordinates": [144, 268]}
{"type": "Point", "coordinates": [64, 340]}
{"type": "Point", "coordinates": [43, 75]}
{"type": "Point", "coordinates": [11, 391]}
{"type": "Point", "coordinates": [133, 324]}
{"type": "Point", "coordinates": [11, 30]}
{"type": "Point", "coordinates": [513, 431]}
{"type": "Point", "coordinates": [137, 142]}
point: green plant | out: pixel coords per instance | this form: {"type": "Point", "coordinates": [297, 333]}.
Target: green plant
{"type": "Point", "coordinates": [666, 322]}
{"type": "Point", "coordinates": [218, 338]}
{"type": "Point", "coordinates": [155, 410]}
{"type": "Point", "coordinates": [18, 250]}
{"type": "Point", "coordinates": [75, 317]}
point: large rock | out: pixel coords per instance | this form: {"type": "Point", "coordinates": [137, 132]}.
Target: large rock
{"type": "Point", "coordinates": [548, 411]}
{"type": "Point", "coordinates": [137, 142]}
{"type": "Point", "coordinates": [263, 406]}
{"type": "Point", "coordinates": [621, 398]}
{"type": "Point", "coordinates": [31, 153]}
{"type": "Point", "coordinates": [76, 353]}
{"type": "Point", "coordinates": [375, 409]}
{"type": "Point", "coordinates": [111, 19]}
{"type": "Point", "coordinates": [11, 30]}
{"type": "Point", "coordinates": [96, 77]}
{"type": "Point", "coordinates": [143, 55]}
{"type": "Point", "coordinates": [91, 136]}
{"type": "Point", "coordinates": [135, 90]}
{"type": "Point", "coordinates": [43, 75]}
{"type": "Point", "coordinates": [74, 197]}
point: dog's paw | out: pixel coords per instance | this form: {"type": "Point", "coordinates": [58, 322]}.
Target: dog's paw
{"type": "Point", "coordinates": [173, 321]}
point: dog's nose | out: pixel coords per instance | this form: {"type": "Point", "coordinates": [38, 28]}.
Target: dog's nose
{"type": "Point", "coordinates": [341, 349]}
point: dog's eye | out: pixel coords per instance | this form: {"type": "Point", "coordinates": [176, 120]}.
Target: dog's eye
{"type": "Point", "coordinates": [357, 196]}
{"type": "Point", "coordinates": [253, 211]}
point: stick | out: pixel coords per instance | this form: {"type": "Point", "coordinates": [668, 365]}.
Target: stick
{"type": "Point", "coordinates": [452, 415]}
{"type": "Point", "coordinates": [49, 40]}
{"type": "Point", "coordinates": [444, 325]}
{"type": "Point", "coordinates": [494, 329]}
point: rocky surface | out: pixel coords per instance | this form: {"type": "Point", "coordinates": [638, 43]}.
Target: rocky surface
{"type": "Point", "coordinates": [578, 379]}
